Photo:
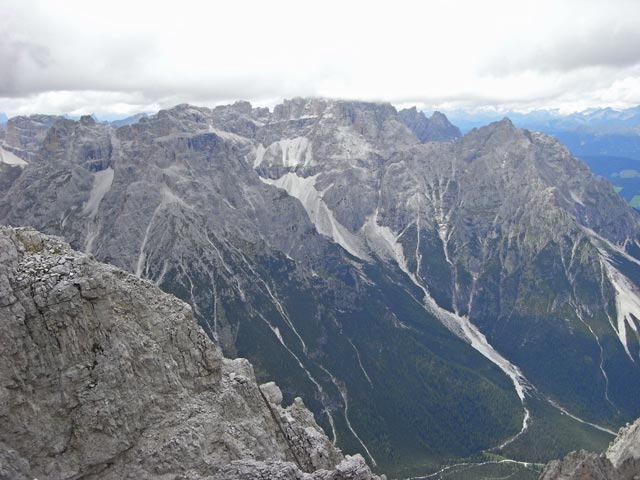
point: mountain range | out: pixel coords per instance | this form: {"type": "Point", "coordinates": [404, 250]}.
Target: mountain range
{"type": "Point", "coordinates": [597, 132]}
{"type": "Point", "coordinates": [431, 297]}
{"type": "Point", "coordinates": [595, 120]}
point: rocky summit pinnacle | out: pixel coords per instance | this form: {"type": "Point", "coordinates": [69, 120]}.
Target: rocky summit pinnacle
{"type": "Point", "coordinates": [104, 376]}
{"type": "Point", "coordinates": [434, 129]}
{"type": "Point", "coordinates": [428, 301]}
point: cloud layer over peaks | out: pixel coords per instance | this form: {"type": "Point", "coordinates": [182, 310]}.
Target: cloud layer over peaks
{"type": "Point", "coordinates": [122, 57]}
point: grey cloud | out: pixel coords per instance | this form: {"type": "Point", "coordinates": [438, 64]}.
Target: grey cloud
{"type": "Point", "coordinates": [120, 66]}
{"type": "Point", "coordinates": [34, 69]}
{"type": "Point", "coordinates": [112, 62]}
{"type": "Point", "coordinates": [605, 46]}
{"type": "Point", "coordinates": [127, 67]}
{"type": "Point", "coordinates": [17, 59]}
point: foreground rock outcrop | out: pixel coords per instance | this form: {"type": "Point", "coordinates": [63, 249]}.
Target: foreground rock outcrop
{"type": "Point", "coordinates": [621, 461]}
{"type": "Point", "coordinates": [104, 376]}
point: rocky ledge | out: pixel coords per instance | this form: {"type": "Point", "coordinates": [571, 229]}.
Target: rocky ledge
{"type": "Point", "coordinates": [621, 461]}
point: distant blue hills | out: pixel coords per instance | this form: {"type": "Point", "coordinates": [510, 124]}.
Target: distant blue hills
{"type": "Point", "coordinates": [595, 120]}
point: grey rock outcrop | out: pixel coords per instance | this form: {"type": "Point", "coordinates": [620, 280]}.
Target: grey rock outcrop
{"type": "Point", "coordinates": [621, 461]}
{"type": "Point", "coordinates": [25, 134]}
{"type": "Point", "coordinates": [626, 446]}
{"type": "Point", "coordinates": [437, 128]}
{"type": "Point", "coordinates": [104, 376]}
{"type": "Point", "coordinates": [582, 466]}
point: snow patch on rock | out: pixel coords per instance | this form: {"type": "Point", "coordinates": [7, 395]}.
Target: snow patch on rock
{"type": "Point", "coordinates": [304, 189]}
{"type": "Point", "coordinates": [11, 158]}
{"type": "Point", "coordinates": [627, 305]}
{"type": "Point", "coordinates": [288, 152]}
{"type": "Point", "coordinates": [102, 181]}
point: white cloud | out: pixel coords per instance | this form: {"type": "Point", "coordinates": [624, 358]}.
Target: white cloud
{"type": "Point", "coordinates": [126, 56]}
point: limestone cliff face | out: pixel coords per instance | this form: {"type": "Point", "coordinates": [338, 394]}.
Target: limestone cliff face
{"type": "Point", "coordinates": [25, 135]}
{"type": "Point", "coordinates": [104, 376]}
{"type": "Point", "coordinates": [626, 445]}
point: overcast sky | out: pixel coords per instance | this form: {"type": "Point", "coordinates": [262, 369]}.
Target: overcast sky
{"type": "Point", "coordinates": [125, 56]}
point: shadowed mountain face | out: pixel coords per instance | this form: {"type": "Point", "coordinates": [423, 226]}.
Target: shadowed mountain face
{"type": "Point", "coordinates": [434, 129]}
{"type": "Point", "coordinates": [428, 300]}
{"type": "Point", "coordinates": [597, 121]}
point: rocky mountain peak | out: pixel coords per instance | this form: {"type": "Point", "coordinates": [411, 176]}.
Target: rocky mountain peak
{"type": "Point", "coordinates": [240, 118]}
{"type": "Point", "coordinates": [181, 119]}
{"type": "Point", "coordinates": [439, 117]}
{"type": "Point", "coordinates": [364, 115]}
{"type": "Point", "coordinates": [93, 150]}
{"type": "Point", "coordinates": [504, 125]}
{"type": "Point", "coordinates": [345, 112]}
{"type": "Point", "coordinates": [87, 120]}
{"type": "Point", "coordinates": [26, 134]}
{"type": "Point", "coordinates": [501, 135]}
{"type": "Point", "coordinates": [538, 168]}
{"type": "Point", "coordinates": [297, 108]}
{"type": "Point", "coordinates": [309, 134]}
{"type": "Point", "coordinates": [434, 129]}
{"type": "Point", "coordinates": [189, 114]}
{"type": "Point", "coordinates": [242, 106]}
